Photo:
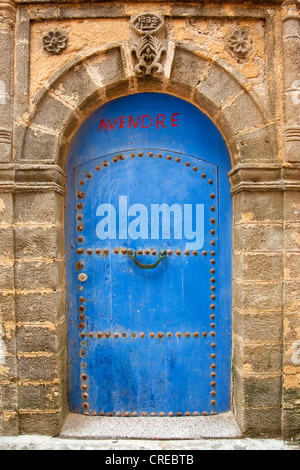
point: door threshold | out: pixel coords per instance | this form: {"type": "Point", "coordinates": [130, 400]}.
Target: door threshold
{"type": "Point", "coordinates": [223, 426]}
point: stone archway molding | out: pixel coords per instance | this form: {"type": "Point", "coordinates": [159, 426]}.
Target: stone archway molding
{"type": "Point", "coordinates": [88, 81]}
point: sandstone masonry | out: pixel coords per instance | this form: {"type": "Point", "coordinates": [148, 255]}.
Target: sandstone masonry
{"type": "Point", "coordinates": [237, 62]}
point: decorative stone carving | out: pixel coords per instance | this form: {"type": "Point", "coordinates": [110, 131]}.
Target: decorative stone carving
{"type": "Point", "coordinates": [55, 42]}
{"type": "Point", "coordinates": [148, 49]}
{"type": "Point", "coordinates": [240, 43]}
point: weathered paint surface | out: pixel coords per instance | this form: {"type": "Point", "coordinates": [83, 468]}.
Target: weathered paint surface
{"type": "Point", "coordinates": [149, 340]}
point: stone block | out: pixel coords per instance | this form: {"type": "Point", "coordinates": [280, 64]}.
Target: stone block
{"type": "Point", "coordinates": [187, 68]}
{"type": "Point", "coordinates": [292, 267]}
{"type": "Point", "coordinates": [75, 87]}
{"type": "Point", "coordinates": [6, 242]}
{"type": "Point", "coordinates": [42, 338]}
{"type": "Point", "coordinates": [39, 396]}
{"type": "Point", "coordinates": [292, 237]}
{"type": "Point", "coordinates": [261, 358]}
{"type": "Point", "coordinates": [38, 274]}
{"type": "Point", "coordinates": [258, 267]}
{"type": "Point", "coordinates": [291, 423]}
{"type": "Point", "coordinates": [291, 297]}
{"type": "Point", "coordinates": [9, 396]}
{"type": "Point", "coordinates": [107, 68]}
{"type": "Point", "coordinates": [258, 327]}
{"type": "Point", "coordinates": [258, 206]}
{"type": "Point", "coordinates": [258, 296]}
{"type": "Point", "coordinates": [243, 114]}
{"type": "Point", "coordinates": [6, 274]}
{"type": "Point", "coordinates": [218, 86]}
{"type": "Point", "coordinates": [52, 114]}
{"type": "Point", "coordinates": [9, 423]}
{"type": "Point", "coordinates": [44, 423]}
{"type": "Point", "coordinates": [6, 208]}
{"type": "Point", "coordinates": [35, 367]}
{"type": "Point", "coordinates": [39, 207]}
{"type": "Point", "coordinates": [259, 238]}
{"type": "Point", "coordinates": [292, 206]}
{"type": "Point", "coordinates": [7, 309]}
{"type": "Point", "coordinates": [260, 145]}
{"type": "Point", "coordinates": [40, 145]}
{"type": "Point", "coordinates": [257, 392]}
{"type": "Point", "coordinates": [39, 241]}
{"type": "Point", "coordinates": [32, 307]}
{"type": "Point", "coordinates": [259, 422]}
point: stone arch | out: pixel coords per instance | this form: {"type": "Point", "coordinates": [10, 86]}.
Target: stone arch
{"type": "Point", "coordinates": [87, 82]}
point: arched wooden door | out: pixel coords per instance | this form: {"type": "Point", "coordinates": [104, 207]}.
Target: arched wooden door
{"type": "Point", "coordinates": [148, 239]}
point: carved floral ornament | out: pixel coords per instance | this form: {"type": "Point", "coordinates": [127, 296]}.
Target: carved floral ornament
{"type": "Point", "coordinates": [240, 43]}
{"type": "Point", "coordinates": [148, 49]}
{"type": "Point", "coordinates": [55, 42]}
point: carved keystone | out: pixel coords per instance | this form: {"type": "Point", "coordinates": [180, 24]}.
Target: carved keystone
{"type": "Point", "coordinates": [148, 50]}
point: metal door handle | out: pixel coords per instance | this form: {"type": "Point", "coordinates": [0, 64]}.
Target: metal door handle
{"type": "Point", "coordinates": [132, 254]}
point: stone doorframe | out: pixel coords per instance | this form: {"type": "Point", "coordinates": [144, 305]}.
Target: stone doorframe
{"type": "Point", "coordinates": [264, 247]}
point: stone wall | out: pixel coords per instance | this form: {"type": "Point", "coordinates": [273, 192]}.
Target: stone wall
{"type": "Point", "coordinates": [238, 64]}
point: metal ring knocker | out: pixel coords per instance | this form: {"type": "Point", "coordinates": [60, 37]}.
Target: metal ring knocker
{"type": "Point", "coordinates": [132, 254]}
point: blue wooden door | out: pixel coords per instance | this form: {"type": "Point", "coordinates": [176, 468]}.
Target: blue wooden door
{"type": "Point", "coordinates": [149, 278]}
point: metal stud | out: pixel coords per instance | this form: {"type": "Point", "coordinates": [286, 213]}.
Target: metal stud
{"type": "Point", "coordinates": [210, 181]}
{"type": "Point", "coordinates": [159, 155]}
{"type": "Point", "coordinates": [84, 377]}
{"type": "Point", "coordinates": [132, 155]}
{"type": "Point", "coordinates": [80, 194]}
{"type": "Point", "coordinates": [212, 232]}
{"type": "Point", "coordinates": [80, 239]}
{"type": "Point", "coordinates": [89, 175]}
{"type": "Point", "coordinates": [204, 413]}
{"type": "Point", "coordinates": [178, 335]}
{"type": "Point", "coordinates": [142, 335]}
{"type": "Point", "coordinates": [124, 335]}
{"type": "Point", "coordinates": [177, 159]}
{"type": "Point", "coordinates": [170, 252]}
{"type": "Point", "coordinates": [160, 335]}
{"type": "Point", "coordinates": [169, 334]}
{"type": "Point", "coordinates": [97, 168]}
{"type": "Point", "coordinates": [212, 345]}
{"type": "Point", "coordinates": [80, 251]}
{"type": "Point", "coordinates": [105, 163]}
{"type": "Point", "coordinates": [187, 413]}
{"type": "Point", "coordinates": [195, 168]}
{"type": "Point", "coordinates": [80, 206]}
{"type": "Point", "coordinates": [116, 335]}
{"type": "Point", "coordinates": [196, 334]}
{"type": "Point", "coordinates": [89, 252]}
{"type": "Point", "coordinates": [212, 196]}
{"type": "Point", "coordinates": [203, 175]}
{"type": "Point", "coordinates": [204, 334]}
{"type": "Point", "coordinates": [178, 252]}
{"type": "Point", "coordinates": [162, 414]}
{"type": "Point", "coordinates": [171, 414]}
{"type": "Point", "coordinates": [144, 413]}
{"type": "Point", "coordinates": [187, 252]}
{"type": "Point", "coordinates": [126, 414]}
{"type": "Point", "coordinates": [152, 414]}
{"type": "Point", "coordinates": [116, 250]}
{"type": "Point", "coordinates": [107, 334]}
{"type": "Point", "coordinates": [179, 413]}
{"type": "Point", "coordinates": [187, 334]}
{"type": "Point", "coordinates": [97, 251]}
{"type": "Point", "coordinates": [187, 164]}
{"type": "Point", "coordinates": [195, 253]}
{"type": "Point", "coordinates": [169, 157]}
{"type": "Point", "coordinates": [150, 154]}
{"type": "Point", "coordinates": [81, 182]}
{"type": "Point", "coordinates": [152, 335]}
{"type": "Point", "coordinates": [118, 414]}
{"type": "Point", "coordinates": [204, 253]}
{"type": "Point", "coordinates": [134, 414]}
{"type": "Point", "coordinates": [140, 154]}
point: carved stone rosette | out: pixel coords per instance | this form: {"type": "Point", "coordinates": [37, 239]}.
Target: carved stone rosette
{"type": "Point", "coordinates": [239, 44]}
{"type": "Point", "coordinates": [148, 49]}
{"type": "Point", "coordinates": [55, 42]}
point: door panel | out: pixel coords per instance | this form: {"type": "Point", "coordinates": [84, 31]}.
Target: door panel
{"type": "Point", "coordinates": [148, 337]}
